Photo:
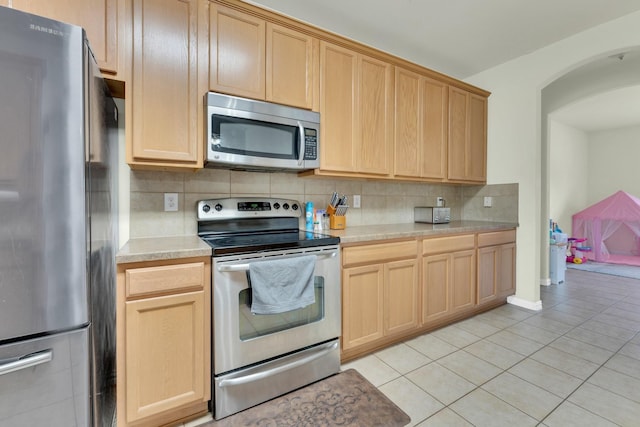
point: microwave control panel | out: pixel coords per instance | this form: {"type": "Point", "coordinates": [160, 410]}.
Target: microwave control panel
{"type": "Point", "coordinates": [310, 144]}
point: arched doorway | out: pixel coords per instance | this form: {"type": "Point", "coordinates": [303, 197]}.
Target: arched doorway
{"type": "Point", "coordinates": [608, 72]}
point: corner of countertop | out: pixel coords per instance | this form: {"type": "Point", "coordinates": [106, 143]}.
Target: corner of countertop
{"type": "Point", "coordinates": [162, 248]}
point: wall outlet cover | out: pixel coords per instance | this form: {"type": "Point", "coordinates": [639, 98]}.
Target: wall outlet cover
{"type": "Point", "coordinates": [488, 201]}
{"type": "Point", "coordinates": [170, 202]}
{"type": "Point", "coordinates": [356, 201]}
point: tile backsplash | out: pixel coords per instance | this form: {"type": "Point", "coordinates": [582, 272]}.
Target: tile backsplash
{"type": "Point", "coordinates": [381, 202]}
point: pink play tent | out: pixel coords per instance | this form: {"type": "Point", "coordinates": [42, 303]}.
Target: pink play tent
{"type": "Point", "coordinates": [612, 229]}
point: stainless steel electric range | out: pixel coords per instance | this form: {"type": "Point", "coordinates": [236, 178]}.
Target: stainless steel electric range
{"type": "Point", "coordinates": [258, 356]}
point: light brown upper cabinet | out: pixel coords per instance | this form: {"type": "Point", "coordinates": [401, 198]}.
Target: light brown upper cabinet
{"type": "Point", "coordinates": [167, 84]}
{"type": "Point", "coordinates": [99, 18]}
{"type": "Point", "coordinates": [467, 148]}
{"type": "Point", "coordinates": [356, 99]}
{"type": "Point", "coordinates": [253, 58]}
{"type": "Point", "coordinates": [420, 139]}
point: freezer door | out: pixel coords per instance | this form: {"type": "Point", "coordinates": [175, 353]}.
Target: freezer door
{"type": "Point", "coordinates": [45, 382]}
{"type": "Point", "coordinates": [43, 253]}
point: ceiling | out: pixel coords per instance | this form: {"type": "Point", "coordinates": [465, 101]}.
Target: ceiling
{"type": "Point", "coordinates": [609, 110]}
{"type": "Point", "coordinates": [464, 37]}
{"type": "Point", "coordinates": [456, 37]}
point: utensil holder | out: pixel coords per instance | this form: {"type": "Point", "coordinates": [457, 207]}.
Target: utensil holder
{"type": "Point", "coordinates": [337, 222]}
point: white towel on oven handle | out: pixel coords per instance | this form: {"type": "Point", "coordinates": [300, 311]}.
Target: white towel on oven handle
{"type": "Point", "coordinates": [282, 285]}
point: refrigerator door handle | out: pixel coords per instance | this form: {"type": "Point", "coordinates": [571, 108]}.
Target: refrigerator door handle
{"type": "Point", "coordinates": [26, 361]}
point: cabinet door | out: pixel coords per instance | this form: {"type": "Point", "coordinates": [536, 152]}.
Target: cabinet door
{"type": "Point", "coordinates": [375, 116]}
{"type": "Point", "coordinates": [488, 273]}
{"type": "Point", "coordinates": [97, 17]}
{"type": "Point", "coordinates": [166, 103]}
{"type": "Point", "coordinates": [400, 296]}
{"type": "Point", "coordinates": [158, 377]}
{"type": "Point", "coordinates": [408, 117]}
{"type": "Point", "coordinates": [435, 286]}
{"type": "Point", "coordinates": [463, 280]}
{"type": "Point", "coordinates": [477, 144]}
{"type": "Point", "coordinates": [467, 147]}
{"type": "Point", "coordinates": [457, 142]}
{"type": "Point", "coordinates": [291, 67]}
{"type": "Point", "coordinates": [506, 284]}
{"type": "Point", "coordinates": [338, 94]}
{"type": "Point", "coordinates": [420, 126]}
{"type": "Point", "coordinates": [237, 46]}
{"type": "Point", "coordinates": [433, 134]}
{"type": "Point", "coordinates": [362, 299]}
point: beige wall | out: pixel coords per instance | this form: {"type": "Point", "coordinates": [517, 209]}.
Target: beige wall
{"type": "Point", "coordinates": [613, 163]}
{"type": "Point", "coordinates": [515, 152]}
{"type": "Point", "coordinates": [382, 202]}
{"type": "Point", "coordinates": [569, 173]}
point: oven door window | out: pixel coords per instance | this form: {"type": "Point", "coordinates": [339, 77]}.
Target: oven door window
{"type": "Point", "coordinates": [257, 325]}
{"type": "Point", "coordinates": [255, 138]}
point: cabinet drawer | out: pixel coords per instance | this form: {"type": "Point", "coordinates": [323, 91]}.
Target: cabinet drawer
{"type": "Point", "coordinates": [379, 253]}
{"type": "Point", "coordinates": [164, 278]}
{"type": "Point", "coordinates": [496, 238]}
{"type": "Point", "coordinates": [448, 244]}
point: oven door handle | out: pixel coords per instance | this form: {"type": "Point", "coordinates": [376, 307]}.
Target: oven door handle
{"type": "Point", "coordinates": [245, 267]}
{"type": "Point", "coordinates": [328, 348]}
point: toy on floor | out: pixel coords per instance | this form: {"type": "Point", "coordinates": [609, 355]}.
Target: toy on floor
{"type": "Point", "coordinates": [577, 250]}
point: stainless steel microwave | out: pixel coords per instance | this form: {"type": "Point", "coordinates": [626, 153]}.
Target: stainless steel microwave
{"type": "Point", "coordinates": [247, 134]}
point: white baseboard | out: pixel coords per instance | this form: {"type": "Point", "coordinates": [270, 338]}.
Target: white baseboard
{"type": "Point", "coordinates": [536, 306]}
{"type": "Point", "coordinates": [545, 282]}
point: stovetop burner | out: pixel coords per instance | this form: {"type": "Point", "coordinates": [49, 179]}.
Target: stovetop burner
{"type": "Point", "coordinates": [236, 244]}
{"type": "Point", "coordinates": [245, 225]}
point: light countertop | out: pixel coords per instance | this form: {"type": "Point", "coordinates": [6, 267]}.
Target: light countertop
{"type": "Point", "coordinates": [175, 247]}
{"type": "Point", "coordinates": [367, 233]}
{"type": "Point", "coordinates": [162, 248]}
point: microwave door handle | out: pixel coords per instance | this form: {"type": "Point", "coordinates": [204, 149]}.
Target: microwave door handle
{"type": "Point", "coordinates": [301, 144]}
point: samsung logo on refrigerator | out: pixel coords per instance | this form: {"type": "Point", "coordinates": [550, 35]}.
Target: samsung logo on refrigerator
{"type": "Point", "coordinates": [47, 30]}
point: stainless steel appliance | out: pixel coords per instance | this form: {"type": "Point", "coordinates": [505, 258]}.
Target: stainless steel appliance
{"type": "Point", "coordinates": [255, 135]}
{"type": "Point", "coordinates": [431, 215]}
{"type": "Point", "coordinates": [257, 357]}
{"type": "Point", "coordinates": [58, 232]}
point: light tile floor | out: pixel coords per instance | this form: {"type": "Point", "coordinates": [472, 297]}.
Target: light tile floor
{"type": "Point", "coordinates": [575, 363]}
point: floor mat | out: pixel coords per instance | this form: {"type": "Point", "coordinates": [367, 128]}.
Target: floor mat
{"type": "Point", "coordinates": [604, 268]}
{"type": "Point", "coordinates": [344, 399]}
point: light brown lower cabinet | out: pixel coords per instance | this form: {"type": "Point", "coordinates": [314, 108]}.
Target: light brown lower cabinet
{"type": "Point", "coordinates": [448, 276]}
{"type": "Point", "coordinates": [496, 266]}
{"type": "Point", "coordinates": [394, 290]}
{"type": "Point", "coordinates": [379, 292]}
{"type": "Point", "coordinates": [163, 353]}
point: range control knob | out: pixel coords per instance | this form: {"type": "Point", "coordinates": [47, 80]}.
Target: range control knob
{"type": "Point", "coordinates": [294, 206]}
{"type": "Point", "coordinates": [276, 205]}
{"type": "Point", "coordinates": [206, 208]}
{"type": "Point", "coordinates": [218, 207]}
{"type": "Point", "coordinates": [286, 206]}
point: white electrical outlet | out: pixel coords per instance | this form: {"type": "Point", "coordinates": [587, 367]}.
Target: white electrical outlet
{"type": "Point", "coordinates": [170, 202]}
{"type": "Point", "coordinates": [356, 201]}
{"type": "Point", "coordinates": [439, 202]}
{"type": "Point", "coordinates": [488, 201]}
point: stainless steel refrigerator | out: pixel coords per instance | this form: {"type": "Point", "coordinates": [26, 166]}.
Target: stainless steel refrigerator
{"type": "Point", "coordinates": [58, 228]}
